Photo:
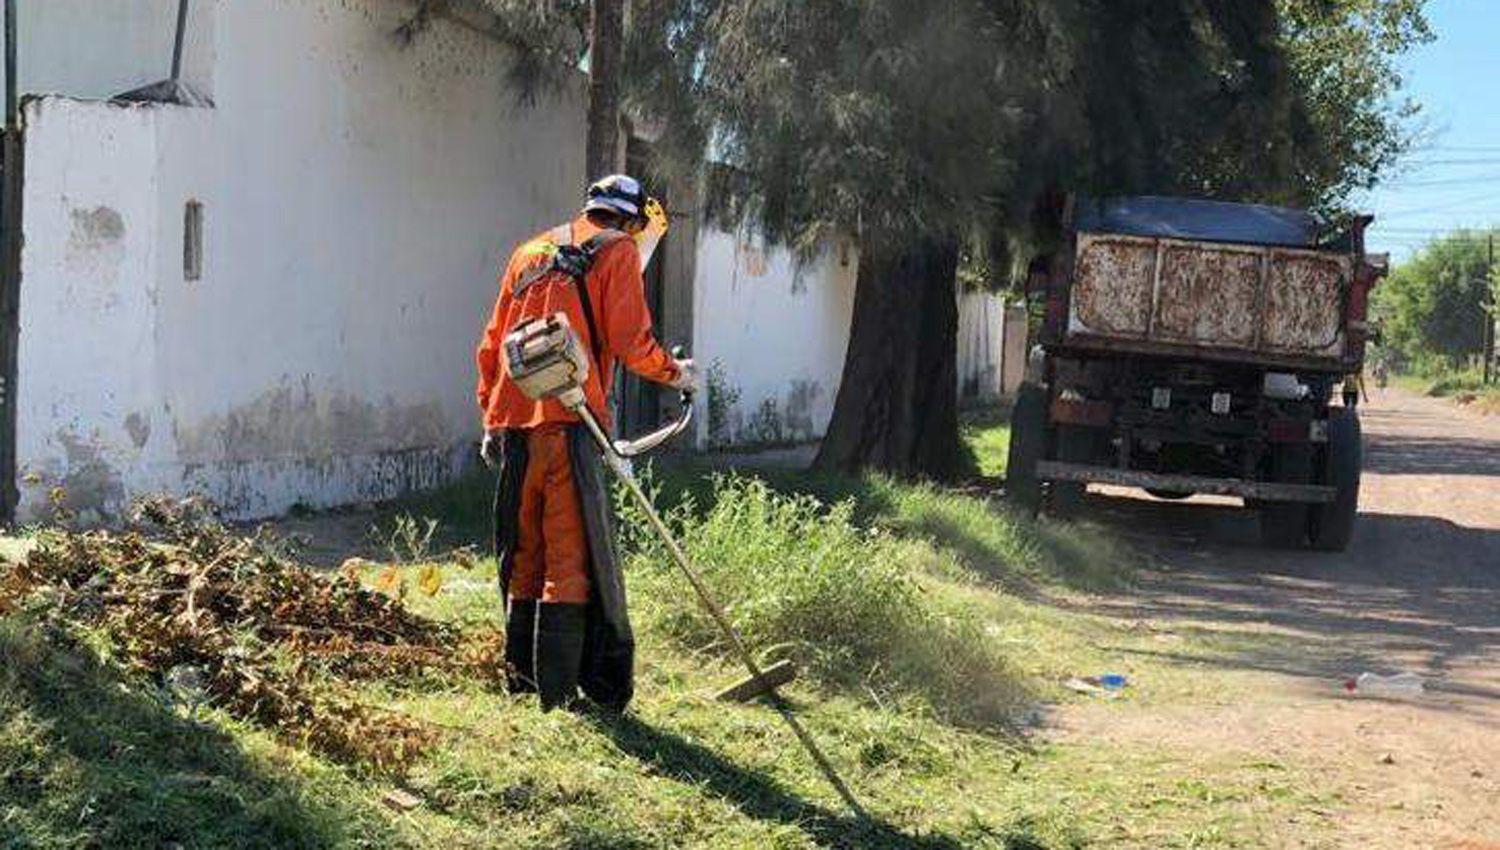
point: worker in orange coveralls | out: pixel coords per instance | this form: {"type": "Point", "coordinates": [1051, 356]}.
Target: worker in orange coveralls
{"type": "Point", "coordinates": [566, 620]}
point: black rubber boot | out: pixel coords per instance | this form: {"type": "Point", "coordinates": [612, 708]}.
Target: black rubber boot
{"type": "Point", "coordinates": [520, 646]}
{"type": "Point", "coordinates": [559, 652]}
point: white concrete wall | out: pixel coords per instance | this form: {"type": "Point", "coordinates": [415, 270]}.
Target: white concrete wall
{"type": "Point", "coordinates": [981, 345]}
{"type": "Point", "coordinates": [776, 331]}
{"type": "Point", "coordinates": [359, 199]}
{"type": "Point", "coordinates": [101, 48]}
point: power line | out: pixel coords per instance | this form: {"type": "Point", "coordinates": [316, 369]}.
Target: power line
{"type": "Point", "coordinates": [1427, 231]}
{"type": "Point", "coordinates": [1487, 160]}
{"type": "Point", "coordinates": [1399, 184]}
{"type": "Point", "coordinates": [1458, 149]}
{"type": "Point", "coordinates": [1460, 235]}
{"type": "Point", "coordinates": [1460, 202]}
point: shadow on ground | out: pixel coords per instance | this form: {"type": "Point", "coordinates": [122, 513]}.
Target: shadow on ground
{"type": "Point", "coordinates": [760, 797]}
{"type": "Point", "coordinates": [86, 762]}
{"type": "Point", "coordinates": [1412, 592]}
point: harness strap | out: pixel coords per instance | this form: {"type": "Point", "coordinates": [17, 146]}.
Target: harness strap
{"type": "Point", "coordinates": [591, 248]}
{"type": "Point", "coordinates": [575, 262]}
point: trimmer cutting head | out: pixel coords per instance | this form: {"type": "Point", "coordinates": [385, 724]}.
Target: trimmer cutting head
{"type": "Point", "coordinates": [546, 360]}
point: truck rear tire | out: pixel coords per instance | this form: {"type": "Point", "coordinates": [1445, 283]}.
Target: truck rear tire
{"type": "Point", "coordinates": [1331, 525]}
{"type": "Point", "coordinates": [1075, 444]}
{"type": "Point", "coordinates": [1284, 525]}
{"type": "Point", "coordinates": [1028, 436]}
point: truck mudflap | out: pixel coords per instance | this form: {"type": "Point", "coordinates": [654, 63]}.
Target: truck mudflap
{"type": "Point", "coordinates": [1262, 490]}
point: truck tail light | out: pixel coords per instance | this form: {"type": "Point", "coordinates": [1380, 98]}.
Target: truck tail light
{"type": "Point", "coordinates": [1297, 431]}
{"type": "Point", "coordinates": [1079, 411]}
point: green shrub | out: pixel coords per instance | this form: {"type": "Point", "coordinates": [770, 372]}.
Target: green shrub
{"type": "Point", "coordinates": [1454, 383]}
{"type": "Point", "coordinates": [852, 604]}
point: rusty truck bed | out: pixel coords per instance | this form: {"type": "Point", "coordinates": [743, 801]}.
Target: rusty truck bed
{"type": "Point", "coordinates": [1249, 303]}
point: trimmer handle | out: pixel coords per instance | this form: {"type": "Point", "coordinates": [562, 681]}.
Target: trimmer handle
{"type": "Point", "coordinates": [679, 352]}
{"type": "Point", "coordinates": [649, 442]}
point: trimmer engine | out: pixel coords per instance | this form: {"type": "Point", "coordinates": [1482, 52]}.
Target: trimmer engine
{"type": "Point", "coordinates": [546, 360]}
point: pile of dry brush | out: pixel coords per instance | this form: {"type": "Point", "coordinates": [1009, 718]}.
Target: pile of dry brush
{"type": "Point", "coordinates": [234, 621]}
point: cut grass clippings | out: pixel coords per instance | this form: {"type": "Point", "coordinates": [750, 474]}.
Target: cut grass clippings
{"type": "Point", "coordinates": [217, 617]}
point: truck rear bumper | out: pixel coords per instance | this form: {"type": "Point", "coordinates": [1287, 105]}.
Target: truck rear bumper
{"type": "Point", "coordinates": [1265, 490]}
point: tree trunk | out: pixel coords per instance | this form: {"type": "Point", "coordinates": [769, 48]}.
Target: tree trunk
{"type": "Point", "coordinates": [606, 65]}
{"type": "Point", "coordinates": [897, 406]}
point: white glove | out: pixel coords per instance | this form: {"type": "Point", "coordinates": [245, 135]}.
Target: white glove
{"type": "Point", "coordinates": [687, 375]}
{"type": "Point", "coordinates": [490, 449]}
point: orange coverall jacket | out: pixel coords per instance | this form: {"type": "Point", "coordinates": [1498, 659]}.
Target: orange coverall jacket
{"type": "Point", "coordinates": [618, 294]}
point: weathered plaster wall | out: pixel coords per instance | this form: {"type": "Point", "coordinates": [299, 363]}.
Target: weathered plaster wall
{"type": "Point", "coordinates": [358, 198]}
{"type": "Point", "coordinates": [101, 48]}
{"type": "Point", "coordinates": [981, 346]}
{"type": "Point", "coordinates": [774, 331]}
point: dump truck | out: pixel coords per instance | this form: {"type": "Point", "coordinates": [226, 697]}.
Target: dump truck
{"type": "Point", "coordinates": [1189, 346]}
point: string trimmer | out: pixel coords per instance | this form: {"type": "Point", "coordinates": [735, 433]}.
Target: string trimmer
{"type": "Point", "coordinates": [546, 360]}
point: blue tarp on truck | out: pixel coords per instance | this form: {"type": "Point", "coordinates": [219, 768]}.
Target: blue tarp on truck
{"type": "Point", "coordinates": [1208, 221]}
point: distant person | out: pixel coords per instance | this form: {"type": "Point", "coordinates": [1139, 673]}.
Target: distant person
{"type": "Point", "coordinates": [566, 621]}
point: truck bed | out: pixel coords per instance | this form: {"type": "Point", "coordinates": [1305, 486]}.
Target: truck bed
{"type": "Point", "coordinates": [1252, 303]}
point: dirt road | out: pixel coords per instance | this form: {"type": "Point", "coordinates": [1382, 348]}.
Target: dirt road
{"type": "Point", "coordinates": [1418, 590]}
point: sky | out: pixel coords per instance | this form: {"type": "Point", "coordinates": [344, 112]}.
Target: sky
{"type": "Point", "coordinates": [1452, 179]}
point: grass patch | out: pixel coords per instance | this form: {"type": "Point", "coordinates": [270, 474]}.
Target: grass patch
{"type": "Point", "coordinates": [1466, 387]}
{"type": "Point", "coordinates": [987, 432]}
{"type": "Point", "coordinates": [921, 615]}
{"type": "Point", "coordinates": [89, 758]}
{"type": "Point", "coordinates": [971, 532]}
{"type": "Point", "coordinates": [855, 605]}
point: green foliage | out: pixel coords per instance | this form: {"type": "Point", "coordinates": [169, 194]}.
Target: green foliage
{"type": "Point", "coordinates": [722, 398]}
{"type": "Point", "coordinates": [1457, 383]}
{"type": "Point", "coordinates": [956, 117]}
{"type": "Point", "coordinates": [549, 38]}
{"type": "Point", "coordinates": [1351, 127]}
{"type": "Point", "coordinates": [406, 538]}
{"type": "Point", "coordinates": [987, 432]}
{"type": "Point", "coordinates": [766, 427]}
{"type": "Point", "coordinates": [1431, 308]}
{"type": "Point", "coordinates": [847, 601]}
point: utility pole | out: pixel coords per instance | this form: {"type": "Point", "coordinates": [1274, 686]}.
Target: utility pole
{"type": "Point", "coordinates": [10, 270]}
{"type": "Point", "coordinates": [10, 65]}
{"type": "Point", "coordinates": [1487, 302]}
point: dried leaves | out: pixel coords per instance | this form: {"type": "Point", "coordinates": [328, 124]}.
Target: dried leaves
{"type": "Point", "coordinates": [263, 637]}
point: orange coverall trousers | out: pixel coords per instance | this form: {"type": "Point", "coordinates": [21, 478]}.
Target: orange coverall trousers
{"type": "Point", "coordinates": [551, 561]}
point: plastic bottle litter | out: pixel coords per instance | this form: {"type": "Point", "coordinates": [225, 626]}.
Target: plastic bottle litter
{"type": "Point", "coordinates": [1398, 685]}
{"type": "Point", "coordinates": [1107, 685]}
